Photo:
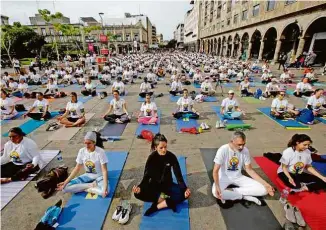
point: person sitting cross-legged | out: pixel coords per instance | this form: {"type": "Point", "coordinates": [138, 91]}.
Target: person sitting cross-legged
{"type": "Point", "coordinates": [42, 105]}
{"type": "Point", "coordinates": [303, 88]}
{"type": "Point", "coordinates": [176, 87]}
{"type": "Point", "coordinates": [281, 108]}
{"type": "Point", "coordinates": [207, 88]}
{"type": "Point", "coordinates": [118, 106]}
{"type": "Point", "coordinates": [185, 107]}
{"type": "Point", "coordinates": [317, 103]}
{"type": "Point", "coordinates": [145, 88]}
{"type": "Point", "coordinates": [230, 107]}
{"type": "Point", "coordinates": [90, 88]}
{"type": "Point", "coordinates": [148, 112]}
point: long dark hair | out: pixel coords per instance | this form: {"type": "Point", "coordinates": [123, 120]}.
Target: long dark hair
{"type": "Point", "coordinates": [298, 138]}
{"type": "Point", "coordinates": [156, 141]}
{"type": "Point", "coordinates": [75, 95]}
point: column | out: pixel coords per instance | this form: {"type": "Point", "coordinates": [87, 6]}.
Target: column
{"type": "Point", "coordinates": [123, 34]}
{"type": "Point", "coordinates": [140, 35]}
{"type": "Point", "coordinates": [277, 51]}
{"type": "Point", "coordinates": [302, 42]}
{"type": "Point", "coordinates": [261, 49]}
{"type": "Point", "coordinates": [239, 50]}
{"type": "Point", "coordinates": [249, 50]}
{"type": "Point", "coordinates": [232, 50]}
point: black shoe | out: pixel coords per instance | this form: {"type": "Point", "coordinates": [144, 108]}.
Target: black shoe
{"type": "Point", "coordinates": [151, 210]}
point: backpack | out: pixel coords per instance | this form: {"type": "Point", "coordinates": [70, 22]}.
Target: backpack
{"type": "Point", "coordinates": [258, 93]}
{"type": "Point", "coordinates": [306, 116]}
{"type": "Point", "coordinates": [20, 108]}
{"type": "Point", "coordinates": [148, 135]}
{"type": "Point", "coordinates": [50, 217]}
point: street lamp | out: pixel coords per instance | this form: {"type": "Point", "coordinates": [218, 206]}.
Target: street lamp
{"type": "Point", "coordinates": [101, 21]}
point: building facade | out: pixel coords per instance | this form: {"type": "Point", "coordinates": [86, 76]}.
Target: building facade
{"type": "Point", "coordinates": [38, 20]}
{"type": "Point", "coordinates": [263, 29]}
{"type": "Point", "coordinates": [159, 38]}
{"type": "Point", "coordinates": [179, 36]}
{"type": "Point", "coordinates": [4, 20]}
{"type": "Point", "coordinates": [191, 28]}
{"type": "Point", "coordinates": [154, 39]}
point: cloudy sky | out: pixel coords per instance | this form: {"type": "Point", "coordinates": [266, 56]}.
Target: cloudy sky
{"type": "Point", "coordinates": [165, 14]}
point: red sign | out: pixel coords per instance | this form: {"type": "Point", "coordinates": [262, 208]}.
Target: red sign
{"type": "Point", "coordinates": [90, 47]}
{"type": "Point", "coordinates": [104, 51]}
{"type": "Point", "coordinates": [103, 38]}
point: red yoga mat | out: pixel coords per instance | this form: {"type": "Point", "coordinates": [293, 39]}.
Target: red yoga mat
{"type": "Point", "coordinates": [311, 205]}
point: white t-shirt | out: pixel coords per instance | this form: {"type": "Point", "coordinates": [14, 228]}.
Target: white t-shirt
{"type": "Point", "coordinates": [185, 104]}
{"type": "Point", "coordinates": [265, 76]}
{"type": "Point", "coordinates": [76, 110]}
{"type": "Point", "coordinates": [206, 86]}
{"type": "Point", "coordinates": [295, 161]}
{"type": "Point", "coordinates": [270, 87]}
{"type": "Point", "coordinates": [120, 86]}
{"type": "Point", "coordinates": [176, 86]}
{"type": "Point", "coordinates": [244, 85]}
{"type": "Point", "coordinates": [41, 105]}
{"type": "Point", "coordinates": [92, 161]}
{"type": "Point", "coordinates": [197, 77]}
{"type": "Point", "coordinates": [316, 103]}
{"type": "Point", "coordinates": [145, 87]}
{"type": "Point", "coordinates": [6, 104]}
{"type": "Point", "coordinates": [114, 72]}
{"type": "Point", "coordinates": [35, 77]}
{"type": "Point", "coordinates": [229, 105]}
{"type": "Point", "coordinates": [231, 162]}
{"type": "Point", "coordinates": [284, 76]}
{"type": "Point", "coordinates": [106, 77]}
{"type": "Point", "coordinates": [19, 154]}
{"type": "Point", "coordinates": [13, 85]}
{"type": "Point", "coordinates": [280, 105]}
{"type": "Point", "coordinates": [127, 75]}
{"type": "Point", "coordinates": [79, 71]}
{"type": "Point", "coordinates": [90, 86]}
{"type": "Point", "coordinates": [51, 86]}
{"type": "Point", "coordinates": [118, 106]}
{"type": "Point", "coordinates": [148, 109]}
{"type": "Point", "coordinates": [23, 87]}
{"type": "Point", "coordinates": [302, 87]}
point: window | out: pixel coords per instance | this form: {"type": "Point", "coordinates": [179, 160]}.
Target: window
{"type": "Point", "coordinates": [235, 19]}
{"type": "Point", "coordinates": [228, 21]}
{"type": "Point", "coordinates": [270, 5]}
{"type": "Point", "coordinates": [43, 31]}
{"type": "Point", "coordinates": [245, 15]}
{"type": "Point", "coordinates": [255, 10]}
{"type": "Point", "coordinates": [287, 2]}
{"type": "Point", "coordinates": [52, 31]}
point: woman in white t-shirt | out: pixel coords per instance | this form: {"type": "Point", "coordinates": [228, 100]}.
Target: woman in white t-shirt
{"type": "Point", "coordinates": [272, 89]}
{"type": "Point", "coordinates": [281, 109]}
{"type": "Point", "coordinates": [198, 77]}
{"type": "Point", "coordinates": [265, 77]}
{"type": "Point", "coordinates": [13, 86]}
{"type": "Point", "coordinates": [106, 78]}
{"type": "Point", "coordinates": [244, 88]}
{"type": "Point", "coordinates": [89, 89]}
{"type": "Point", "coordinates": [176, 87]}
{"type": "Point", "coordinates": [303, 88]}
{"type": "Point", "coordinates": [42, 107]}
{"type": "Point", "coordinates": [295, 159]}
{"type": "Point", "coordinates": [230, 107]}
{"type": "Point", "coordinates": [74, 115]}
{"type": "Point", "coordinates": [229, 161]}
{"type": "Point", "coordinates": [8, 110]}
{"type": "Point", "coordinates": [185, 107]}
{"type": "Point", "coordinates": [145, 88]}
{"type": "Point", "coordinates": [119, 86]}
{"type": "Point", "coordinates": [51, 89]}
{"type": "Point", "coordinates": [22, 90]}
{"type": "Point", "coordinates": [148, 112]}
{"type": "Point", "coordinates": [94, 161]}
{"type": "Point", "coordinates": [316, 102]}
{"type": "Point", "coordinates": [20, 153]}
{"type": "Point", "coordinates": [35, 79]}
{"type": "Point", "coordinates": [119, 107]}
{"type": "Point", "coordinates": [206, 88]}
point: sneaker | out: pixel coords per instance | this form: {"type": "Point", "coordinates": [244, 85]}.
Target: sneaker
{"type": "Point", "coordinates": [289, 213]}
{"type": "Point", "coordinates": [118, 121]}
{"type": "Point", "coordinates": [118, 212]}
{"type": "Point", "coordinates": [222, 124]}
{"type": "Point", "coordinates": [299, 217]}
{"type": "Point", "coordinates": [217, 124]}
{"type": "Point", "coordinates": [125, 213]}
{"type": "Point", "coordinates": [206, 126]}
{"type": "Point", "coordinates": [202, 125]}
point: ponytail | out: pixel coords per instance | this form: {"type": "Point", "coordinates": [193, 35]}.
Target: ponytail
{"type": "Point", "coordinates": [298, 138]}
{"type": "Point", "coordinates": [156, 141]}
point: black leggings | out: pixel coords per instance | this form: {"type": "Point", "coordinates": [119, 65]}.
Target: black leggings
{"type": "Point", "coordinates": [300, 94]}
{"type": "Point", "coordinates": [179, 115]}
{"type": "Point", "coordinates": [174, 93]}
{"type": "Point", "coordinates": [105, 82]}
{"type": "Point", "coordinates": [144, 94]}
{"type": "Point", "coordinates": [89, 92]}
{"type": "Point", "coordinates": [10, 170]}
{"type": "Point", "coordinates": [317, 184]}
{"type": "Point", "coordinates": [112, 117]}
{"type": "Point", "coordinates": [150, 193]}
{"type": "Point", "coordinates": [38, 116]}
{"type": "Point", "coordinates": [246, 93]}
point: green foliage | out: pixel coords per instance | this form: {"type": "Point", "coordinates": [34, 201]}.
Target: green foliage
{"type": "Point", "coordinates": [171, 43]}
{"type": "Point", "coordinates": [111, 37]}
{"type": "Point", "coordinates": [87, 30]}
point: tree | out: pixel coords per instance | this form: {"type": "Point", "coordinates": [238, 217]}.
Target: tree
{"type": "Point", "coordinates": [71, 32]}
{"type": "Point", "coordinates": [171, 43]}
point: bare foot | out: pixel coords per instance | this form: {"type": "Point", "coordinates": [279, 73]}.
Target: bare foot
{"type": "Point", "coordinates": [68, 126]}
{"type": "Point", "coordinates": [5, 180]}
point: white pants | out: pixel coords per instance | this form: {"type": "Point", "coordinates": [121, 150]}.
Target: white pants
{"type": "Point", "coordinates": [246, 187]}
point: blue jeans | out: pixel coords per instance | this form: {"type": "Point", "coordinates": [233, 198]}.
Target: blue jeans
{"type": "Point", "coordinates": [17, 94]}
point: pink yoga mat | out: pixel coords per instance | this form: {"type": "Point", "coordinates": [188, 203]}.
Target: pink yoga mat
{"type": "Point", "coordinates": [16, 99]}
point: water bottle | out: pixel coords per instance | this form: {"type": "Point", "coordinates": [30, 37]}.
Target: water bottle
{"type": "Point", "coordinates": [284, 195]}
{"type": "Point", "coordinates": [60, 160]}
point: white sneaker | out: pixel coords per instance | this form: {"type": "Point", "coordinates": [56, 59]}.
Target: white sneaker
{"type": "Point", "coordinates": [118, 212]}
{"type": "Point", "coordinates": [206, 126]}
{"type": "Point", "coordinates": [202, 125]}
{"type": "Point", "coordinates": [289, 213]}
{"type": "Point", "coordinates": [125, 213]}
{"type": "Point", "coordinates": [222, 124]}
{"type": "Point", "coordinates": [217, 124]}
{"type": "Point", "coordinates": [299, 217]}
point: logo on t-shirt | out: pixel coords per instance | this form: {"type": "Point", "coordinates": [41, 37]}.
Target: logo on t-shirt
{"type": "Point", "coordinates": [298, 167]}
{"type": "Point", "coordinates": [148, 112]}
{"type": "Point", "coordinates": [90, 167]}
{"type": "Point", "coordinates": [233, 164]}
{"type": "Point", "coordinates": [15, 157]}
{"type": "Point", "coordinates": [185, 107]}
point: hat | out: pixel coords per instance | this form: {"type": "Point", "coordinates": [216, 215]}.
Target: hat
{"type": "Point", "coordinates": [231, 92]}
{"type": "Point", "coordinates": [90, 136]}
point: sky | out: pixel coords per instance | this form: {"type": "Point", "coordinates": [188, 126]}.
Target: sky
{"type": "Point", "coordinates": [164, 14]}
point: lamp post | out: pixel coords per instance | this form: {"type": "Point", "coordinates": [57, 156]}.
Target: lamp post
{"type": "Point", "coordinates": [101, 14]}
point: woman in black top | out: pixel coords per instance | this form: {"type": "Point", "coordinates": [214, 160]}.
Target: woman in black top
{"type": "Point", "coordinates": [157, 185]}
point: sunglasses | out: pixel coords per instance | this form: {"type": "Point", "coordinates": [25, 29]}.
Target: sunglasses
{"type": "Point", "coordinates": [13, 136]}
{"type": "Point", "coordinates": [282, 94]}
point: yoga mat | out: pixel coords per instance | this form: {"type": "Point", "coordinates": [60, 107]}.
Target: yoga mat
{"type": "Point", "coordinates": [65, 134]}
{"type": "Point", "coordinates": [186, 124]}
{"type": "Point", "coordinates": [251, 100]}
{"type": "Point", "coordinates": [216, 109]}
{"type": "Point", "coordinates": [319, 84]}
{"type": "Point", "coordinates": [290, 91]}
{"type": "Point", "coordinates": [153, 128]}
{"type": "Point", "coordinates": [288, 124]}
{"type": "Point", "coordinates": [311, 205]}
{"type": "Point", "coordinates": [174, 98]}
{"type": "Point", "coordinates": [228, 85]}
{"type": "Point", "coordinates": [142, 99]}
{"type": "Point", "coordinates": [321, 167]}
{"type": "Point", "coordinates": [166, 219]}
{"type": "Point", "coordinates": [321, 119]}
{"type": "Point", "coordinates": [239, 216]}
{"type": "Point", "coordinates": [197, 86]}
{"type": "Point", "coordinates": [16, 99]}
{"type": "Point", "coordinates": [10, 190]}
{"type": "Point", "coordinates": [30, 125]}
{"type": "Point", "coordinates": [257, 84]}
{"type": "Point", "coordinates": [210, 99]}
{"type": "Point", "coordinates": [61, 86]}
{"type": "Point", "coordinates": [89, 214]}
{"type": "Point", "coordinates": [19, 114]}
{"type": "Point", "coordinates": [101, 86]}
{"type": "Point", "coordinates": [113, 131]}
{"type": "Point", "coordinates": [85, 99]}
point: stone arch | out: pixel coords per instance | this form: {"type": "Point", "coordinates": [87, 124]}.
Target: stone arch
{"type": "Point", "coordinates": [209, 46]}
{"type": "Point", "coordinates": [244, 46]}
{"type": "Point", "coordinates": [269, 39]}
{"type": "Point", "coordinates": [236, 44]}
{"type": "Point", "coordinates": [219, 46]}
{"type": "Point", "coordinates": [290, 39]}
{"type": "Point", "coordinates": [255, 44]}
{"type": "Point", "coordinates": [112, 47]}
{"type": "Point", "coordinates": [212, 46]}
{"type": "Point", "coordinates": [229, 46]}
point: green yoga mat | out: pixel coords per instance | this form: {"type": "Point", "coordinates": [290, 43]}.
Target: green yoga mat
{"type": "Point", "coordinates": [238, 126]}
{"type": "Point", "coordinates": [251, 100]}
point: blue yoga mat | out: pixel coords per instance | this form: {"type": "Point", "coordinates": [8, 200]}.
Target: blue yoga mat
{"type": "Point", "coordinates": [197, 86]}
{"type": "Point", "coordinates": [321, 119]}
{"type": "Point", "coordinates": [166, 219]}
{"type": "Point", "coordinates": [186, 124]}
{"type": "Point", "coordinates": [228, 85]}
{"type": "Point", "coordinates": [210, 99]}
{"type": "Point", "coordinates": [89, 214]}
{"type": "Point", "coordinates": [61, 86]}
{"type": "Point", "coordinates": [142, 99]}
{"type": "Point", "coordinates": [321, 167]}
{"type": "Point", "coordinates": [19, 114]}
{"type": "Point", "coordinates": [174, 98]}
{"type": "Point", "coordinates": [30, 125]}
{"type": "Point", "coordinates": [257, 84]}
{"type": "Point", "coordinates": [101, 86]}
{"type": "Point", "coordinates": [290, 91]}
{"type": "Point", "coordinates": [153, 128]}
{"type": "Point", "coordinates": [284, 123]}
{"type": "Point", "coordinates": [85, 99]}
{"type": "Point", "coordinates": [216, 109]}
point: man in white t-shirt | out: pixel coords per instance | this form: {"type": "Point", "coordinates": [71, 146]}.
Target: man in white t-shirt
{"type": "Point", "coordinates": [176, 87]}
{"type": "Point", "coordinates": [118, 106]}
{"type": "Point", "coordinates": [186, 107]}
{"type": "Point", "coordinates": [7, 105]}
{"type": "Point", "coordinates": [42, 107]}
{"type": "Point", "coordinates": [119, 85]}
{"type": "Point", "coordinates": [303, 88]}
{"type": "Point", "coordinates": [206, 88]}
{"type": "Point", "coordinates": [317, 103]}
{"type": "Point", "coordinates": [281, 109]}
{"type": "Point", "coordinates": [230, 107]}
{"type": "Point", "coordinates": [272, 88]}
{"type": "Point", "coordinates": [230, 159]}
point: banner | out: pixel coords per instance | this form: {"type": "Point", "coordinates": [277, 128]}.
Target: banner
{"type": "Point", "coordinates": [90, 47]}
{"type": "Point", "coordinates": [103, 38]}
{"type": "Point", "coordinates": [104, 51]}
